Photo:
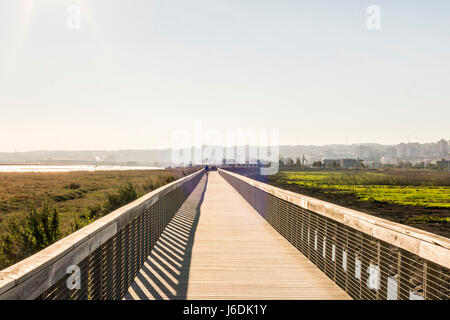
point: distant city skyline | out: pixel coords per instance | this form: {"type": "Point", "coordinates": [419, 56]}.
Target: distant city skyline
{"type": "Point", "coordinates": [126, 74]}
{"type": "Point", "coordinates": [437, 142]}
{"type": "Point", "coordinates": [430, 151]}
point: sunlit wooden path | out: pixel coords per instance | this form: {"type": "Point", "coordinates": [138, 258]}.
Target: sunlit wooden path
{"type": "Point", "coordinates": [218, 247]}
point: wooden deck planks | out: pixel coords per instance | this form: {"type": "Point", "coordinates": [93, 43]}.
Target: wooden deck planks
{"type": "Point", "coordinates": [226, 250]}
{"type": "Point", "coordinates": [237, 255]}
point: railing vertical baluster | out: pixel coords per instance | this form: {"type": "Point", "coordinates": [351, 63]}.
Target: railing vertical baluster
{"type": "Point", "coordinates": [334, 243]}
{"type": "Point", "coordinates": [127, 256]}
{"type": "Point", "coordinates": [347, 255]}
{"type": "Point", "coordinates": [114, 268]}
{"type": "Point", "coordinates": [324, 246]}
{"type": "Point", "coordinates": [425, 273]}
{"type": "Point", "coordinates": [399, 274]}
{"type": "Point", "coordinates": [377, 295]}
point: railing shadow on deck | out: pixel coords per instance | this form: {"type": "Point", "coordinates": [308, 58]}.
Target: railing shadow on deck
{"type": "Point", "coordinates": [165, 273]}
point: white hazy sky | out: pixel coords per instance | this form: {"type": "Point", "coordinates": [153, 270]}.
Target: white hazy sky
{"type": "Point", "coordinates": [138, 69]}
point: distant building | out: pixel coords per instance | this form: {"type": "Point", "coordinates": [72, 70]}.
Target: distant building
{"type": "Point", "coordinates": [331, 163]}
{"type": "Point", "coordinates": [443, 164]}
{"type": "Point", "coordinates": [408, 150]}
{"type": "Point", "coordinates": [346, 163]}
{"type": "Point", "coordinates": [363, 152]}
{"type": "Point", "coordinates": [388, 161]}
{"type": "Point", "coordinates": [412, 150]}
{"type": "Point", "coordinates": [230, 162]}
{"type": "Point", "coordinates": [367, 152]}
{"type": "Point", "coordinates": [391, 152]}
{"type": "Point", "coordinates": [443, 146]}
{"type": "Point", "coordinates": [349, 163]}
{"type": "Point", "coordinates": [401, 150]}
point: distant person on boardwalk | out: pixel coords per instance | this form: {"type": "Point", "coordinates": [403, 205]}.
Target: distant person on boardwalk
{"type": "Point", "coordinates": [207, 169]}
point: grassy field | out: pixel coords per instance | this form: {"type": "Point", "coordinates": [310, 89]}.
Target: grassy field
{"type": "Point", "coordinates": [432, 191]}
{"type": "Point", "coordinates": [78, 197]}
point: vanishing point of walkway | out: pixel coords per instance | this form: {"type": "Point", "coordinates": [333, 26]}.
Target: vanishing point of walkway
{"type": "Point", "coordinates": [218, 247]}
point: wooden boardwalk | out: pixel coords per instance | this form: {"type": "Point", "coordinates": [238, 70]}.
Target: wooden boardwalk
{"type": "Point", "coordinates": [218, 247]}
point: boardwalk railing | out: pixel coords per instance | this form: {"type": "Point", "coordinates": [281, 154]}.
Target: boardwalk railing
{"type": "Point", "coordinates": [100, 260]}
{"type": "Point", "coordinates": [368, 257]}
